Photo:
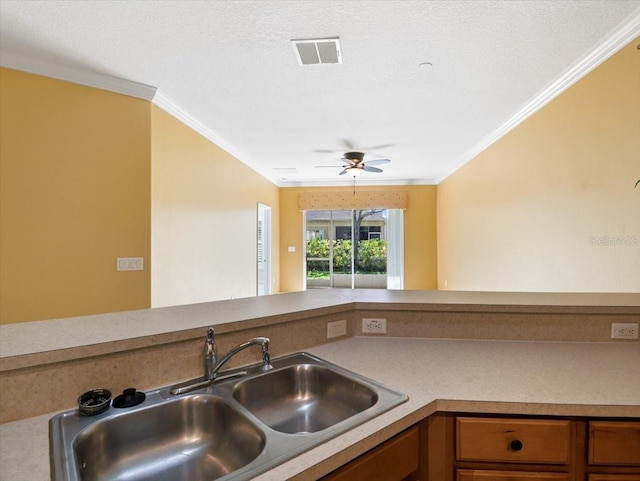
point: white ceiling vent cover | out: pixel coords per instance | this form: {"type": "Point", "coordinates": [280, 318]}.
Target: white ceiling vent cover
{"type": "Point", "coordinates": [317, 51]}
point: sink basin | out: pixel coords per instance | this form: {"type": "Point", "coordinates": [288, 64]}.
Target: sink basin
{"type": "Point", "coordinates": [199, 437]}
{"type": "Point", "coordinates": [303, 398]}
{"type": "Point", "coordinates": [244, 424]}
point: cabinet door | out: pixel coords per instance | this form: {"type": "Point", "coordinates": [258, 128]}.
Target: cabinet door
{"type": "Point", "coordinates": [513, 440]}
{"type": "Point", "coordinates": [614, 477]}
{"type": "Point", "coordinates": [482, 475]}
{"type": "Point", "coordinates": [614, 443]}
{"type": "Point", "coordinates": [395, 460]}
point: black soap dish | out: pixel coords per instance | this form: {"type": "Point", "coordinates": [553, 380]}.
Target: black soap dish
{"type": "Point", "coordinates": [94, 402]}
{"type": "Point", "coordinates": [129, 398]}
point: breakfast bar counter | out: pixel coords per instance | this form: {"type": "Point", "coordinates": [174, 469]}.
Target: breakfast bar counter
{"type": "Point", "coordinates": [596, 379]}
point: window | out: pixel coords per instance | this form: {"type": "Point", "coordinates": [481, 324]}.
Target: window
{"type": "Point", "coordinates": [334, 260]}
{"type": "Point", "coordinates": [343, 232]}
{"type": "Point", "coordinates": [317, 233]}
{"type": "Point", "coordinates": [370, 232]}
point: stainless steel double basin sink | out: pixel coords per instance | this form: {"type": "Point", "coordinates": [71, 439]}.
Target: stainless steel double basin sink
{"type": "Point", "coordinates": [234, 429]}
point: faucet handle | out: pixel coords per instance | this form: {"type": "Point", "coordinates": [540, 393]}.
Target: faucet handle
{"type": "Point", "coordinates": [209, 354]}
{"type": "Point", "coordinates": [210, 342]}
{"type": "Point", "coordinates": [266, 356]}
{"type": "Point", "coordinates": [210, 347]}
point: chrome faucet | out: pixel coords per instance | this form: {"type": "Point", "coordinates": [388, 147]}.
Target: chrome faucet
{"type": "Point", "coordinates": [210, 355]}
{"type": "Point", "coordinates": [212, 373]}
{"type": "Point", "coordinates": [212, 365]}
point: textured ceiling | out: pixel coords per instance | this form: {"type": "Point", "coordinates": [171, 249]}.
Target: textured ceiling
{"type": "Point", "coordinates": [230, 68]}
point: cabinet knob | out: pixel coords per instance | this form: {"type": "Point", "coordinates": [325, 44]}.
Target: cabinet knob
{"type": "Point", "coordinates": [515, 445]}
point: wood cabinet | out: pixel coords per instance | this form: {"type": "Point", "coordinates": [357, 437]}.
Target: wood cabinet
{"type": "Point", "coordinates": [614, 477]}
{"type": "Point", "coordinates": [465, 447]}
{"type": "Point", "coordinates": [395, 460]}
{"type": "Point", "coordinates": [613, 450]}
{"type": "Point", "coordinates": [513, 440]}
{"type": "Point", "coordinates": [614, 443]}
{"type": "Point", "coordinates": [530, 448]}
{"type": "Point", "coordinates": [484, 475]}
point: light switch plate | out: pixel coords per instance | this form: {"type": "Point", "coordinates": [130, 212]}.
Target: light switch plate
{"type": "Point", "coordinates": [336, 329]}
{"type": "Point", "coordinates": [130, 264]}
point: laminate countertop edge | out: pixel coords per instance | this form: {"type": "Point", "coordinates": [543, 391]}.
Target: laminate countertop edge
{"type": "Point", "coordinates": [58, 340]}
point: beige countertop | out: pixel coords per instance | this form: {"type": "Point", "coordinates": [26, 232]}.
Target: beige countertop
{"type": "Point", "coordinates": [518, 377]}
{"type": "Point", "coordinates": [160, 325]}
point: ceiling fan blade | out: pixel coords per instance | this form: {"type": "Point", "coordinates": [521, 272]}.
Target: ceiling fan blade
{"type": "Point", "coordinates": [348, 144]}
{"type": "Point", "coordinates": [343, 172]}
{"type": "Point", "coordinates": [377, 161]}
{"type": "Point", "coordinates": [327, 151]}
{"type": "Point", "coordinates": [376, 147]}
{"type": "Point", "coordinates": [371, 169]}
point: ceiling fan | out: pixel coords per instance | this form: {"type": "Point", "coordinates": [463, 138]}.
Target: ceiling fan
{"type": "Point", "coordinates": [353, 162]}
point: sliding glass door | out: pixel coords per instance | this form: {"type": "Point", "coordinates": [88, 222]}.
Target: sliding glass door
{"type": "Point", "coordinates": [349, 248]}
{"type": "Point", "coordinates": [395, 249]}
{"type": "Point", "coordinates": [319, 249]}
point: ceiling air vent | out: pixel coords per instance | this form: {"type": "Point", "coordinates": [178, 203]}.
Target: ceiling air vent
{"type": "Point", "coordinates": [317, 51]}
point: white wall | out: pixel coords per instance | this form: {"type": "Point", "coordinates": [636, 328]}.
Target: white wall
{"type": "Point", "coordinates": [204, 218]}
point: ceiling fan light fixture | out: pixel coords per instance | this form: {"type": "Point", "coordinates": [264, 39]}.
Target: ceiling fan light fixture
{"type": "Point", "coordinates": [354, 171]}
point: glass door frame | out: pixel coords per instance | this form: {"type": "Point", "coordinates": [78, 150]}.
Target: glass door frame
{"type": "Point", "coordinates": [263, 250]}
{"type": "Point", "coordinates": [395, 257]}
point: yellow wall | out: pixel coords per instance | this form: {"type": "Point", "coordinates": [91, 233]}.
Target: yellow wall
{"type": "Point", "coordinates": [420, 251]}
{"type": "Point", "coordinates": [204, 218]}
{"type": "Point", "coordinates": [552, 205]}
{"type": "Point", "coordinates": [86, 176]}
{"type": "Point", "coordinates": [75, 195]}
{"type": "Point", "coordinates": [420, 238]}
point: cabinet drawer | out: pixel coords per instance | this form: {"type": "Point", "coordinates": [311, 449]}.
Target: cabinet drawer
{"type": "Point", "coordinates": [614, 477]}
{"type": "Point", "coordinates": [481, 475]}
{"type": "Point", "coordinates": [513, 440]}
{"type": "Point", "coordinates": [394, 460]}
{"type": "Point", "coordinates": [614, 443]}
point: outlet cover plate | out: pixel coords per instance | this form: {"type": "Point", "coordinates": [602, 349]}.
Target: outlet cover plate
{"type": "Point", "coordinates": [374, 326]}
{"type": "Point", "coordinates": [624, 330]}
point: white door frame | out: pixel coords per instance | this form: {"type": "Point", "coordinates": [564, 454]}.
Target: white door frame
{"type": "Point", "coordinates": [263, 250]}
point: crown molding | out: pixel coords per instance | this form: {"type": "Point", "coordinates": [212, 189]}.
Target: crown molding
{"type": "Point", "coordinates": [360, 182]}
{"type": "Point", "coordinates": [623, 34]}
{"type": "Point", "coordinates": [620, 37]}
{"type": "Point", "coordinates": [172, 108]}
{"type": "Point", "coordinates": [89, 79]}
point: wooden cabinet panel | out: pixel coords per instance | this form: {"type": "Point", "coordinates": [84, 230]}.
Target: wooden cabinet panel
{"type": "Point", "coordinates": [437, 447]}
{"type": "Point", "coordinates": [513, 440]}
{"type": "Point", "coordinates": [395, 460]}
{"type": "Point", "coordinates": [481, 475]}
{"type": "Point", "coordinates": [614, 477]}
{"type": "Point", "coordinates": [614, 443]}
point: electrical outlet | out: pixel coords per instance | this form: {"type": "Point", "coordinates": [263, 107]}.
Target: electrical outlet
{"type": "Point", "coordinates": [336, 329]}
{"type": "Point", "coordinates": [374, 326]}
{"type": "Point", "coordinates": [624, 330]}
